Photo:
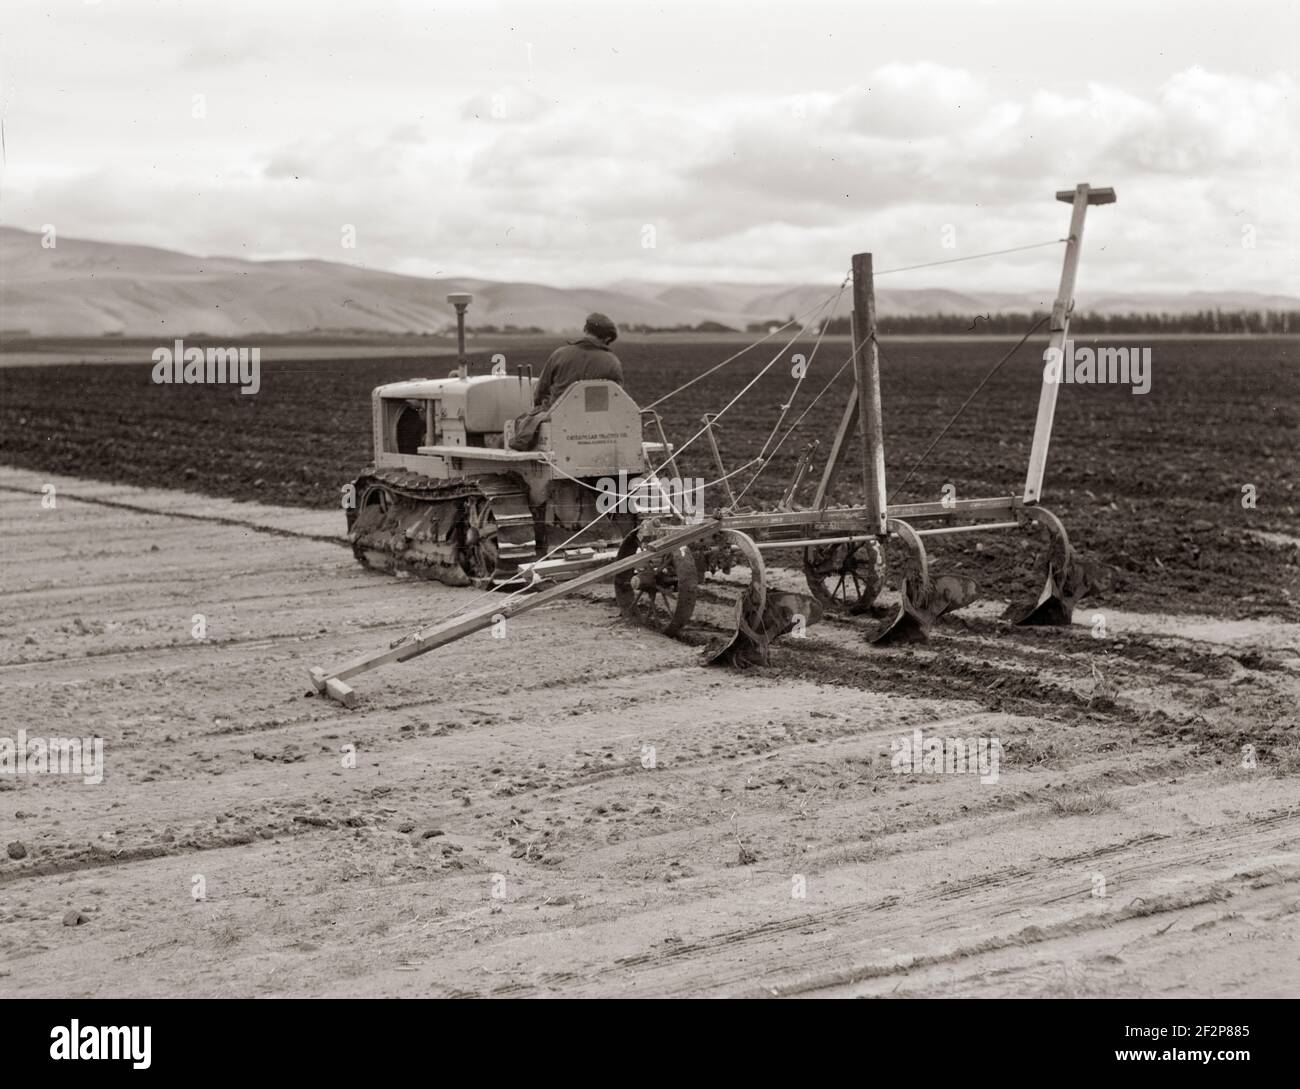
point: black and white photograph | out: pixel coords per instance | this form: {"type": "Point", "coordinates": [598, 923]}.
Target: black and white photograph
{"type": "Point", "coordinates": [574, 500]}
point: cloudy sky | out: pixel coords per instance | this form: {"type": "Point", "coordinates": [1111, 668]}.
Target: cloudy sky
{"type": "Point", "coordinates": [551, 141]}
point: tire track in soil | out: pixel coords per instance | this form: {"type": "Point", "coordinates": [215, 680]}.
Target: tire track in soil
{"type": "Point", "coordinates": [1004, 884]}
{"type": "Point", "coordinates": [1029, 937]}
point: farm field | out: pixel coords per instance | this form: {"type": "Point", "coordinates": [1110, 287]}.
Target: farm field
{"type": "Point", "coordinates": [614, 820]}
{"type": "Point", "coordinates": [1148, 485]}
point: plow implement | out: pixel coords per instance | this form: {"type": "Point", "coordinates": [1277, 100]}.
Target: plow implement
{"type": "Point", "coordinates": [659, 557]}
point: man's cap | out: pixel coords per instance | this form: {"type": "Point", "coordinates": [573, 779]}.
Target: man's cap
{"type": "Point", "coordinates": [601, 326]}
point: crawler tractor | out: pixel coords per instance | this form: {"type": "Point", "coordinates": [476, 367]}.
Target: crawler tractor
{"type": "Point", "coordinates": [447, 499]}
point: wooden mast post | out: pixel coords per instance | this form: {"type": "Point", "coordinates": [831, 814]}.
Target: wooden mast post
{"type": "Point", "coordinates": [1059, 329]}
{"type": "Point", "coordinates": [862, 413]}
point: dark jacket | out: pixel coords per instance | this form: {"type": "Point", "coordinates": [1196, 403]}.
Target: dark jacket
{"type": "Point", "coordinates": [576, 361]}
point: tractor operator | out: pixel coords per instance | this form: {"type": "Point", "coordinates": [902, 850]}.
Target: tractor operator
{"type": "Point", "coordinates": [587, 357]}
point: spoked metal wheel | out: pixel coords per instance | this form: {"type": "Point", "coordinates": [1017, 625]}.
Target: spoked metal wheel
{"type": "Point", "coordinates": [845, 578]}
{"type": "Point", "coordinates": [660, 593]}
{"type": "Point", "coordinates": [481, 546]}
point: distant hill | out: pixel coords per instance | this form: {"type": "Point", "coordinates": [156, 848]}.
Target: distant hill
{"type": "Point", "coordinates": [85, 288]}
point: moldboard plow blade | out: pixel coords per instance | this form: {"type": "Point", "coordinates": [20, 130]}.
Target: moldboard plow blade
{"type": "Point", "coordinates": [757, 628]}
{"type": "Point", "coordinates": [761, 615]}
{"type": "Point", "coordinates": [1068, 578]}
{"type": "Point", "coordinates": [919, 609]}
{"type": "Point", "coordinates": [1055, 605]}
{"type": "Point", "coordinates": [1065, 585]}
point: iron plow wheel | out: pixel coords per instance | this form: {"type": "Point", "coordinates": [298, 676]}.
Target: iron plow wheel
{"type": "Point", "coordinates": [660, 593]}
{"type": "Point", "coordinates": [845, 578]}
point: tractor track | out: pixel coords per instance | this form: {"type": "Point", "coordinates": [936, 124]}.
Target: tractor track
{"type": "Point", "coordinates": [174, 586]}
{"type": "Point", "coordinates": [188, 516]}
{"type": "Point", "coordinates": [102, 858]}
{"type": "Point", "coordinates": [130, 653]}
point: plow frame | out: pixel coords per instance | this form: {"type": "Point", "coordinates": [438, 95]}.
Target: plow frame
{"type": "Point", "coordinates": [862, 416]}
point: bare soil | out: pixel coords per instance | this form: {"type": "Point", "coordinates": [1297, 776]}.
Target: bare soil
{"type": "Point", "coordinates": [1150, 486]}
{"type": "Point", "coordinates": [502, 834]}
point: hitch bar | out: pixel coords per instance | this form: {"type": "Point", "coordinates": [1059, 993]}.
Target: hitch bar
{"type": "Point", "coordinates": [419, 642]}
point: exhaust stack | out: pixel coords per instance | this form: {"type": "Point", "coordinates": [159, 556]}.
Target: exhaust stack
{"type": "Point", "coordinates": [461, 300]}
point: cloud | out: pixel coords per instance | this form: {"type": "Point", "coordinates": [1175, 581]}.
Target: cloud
{"type": "Point", "coordinates": [1205, 122]}
{"type": "Point", "coordinates": [552, 179]}
{"type": "Point", "coordinates": [910, 101]}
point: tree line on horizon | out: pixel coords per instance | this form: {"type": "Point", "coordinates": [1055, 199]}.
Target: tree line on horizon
{"type": "Point", "coordinates": [1235, 322]}
{"type": "Point", "coordinates": [1246, 322]}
